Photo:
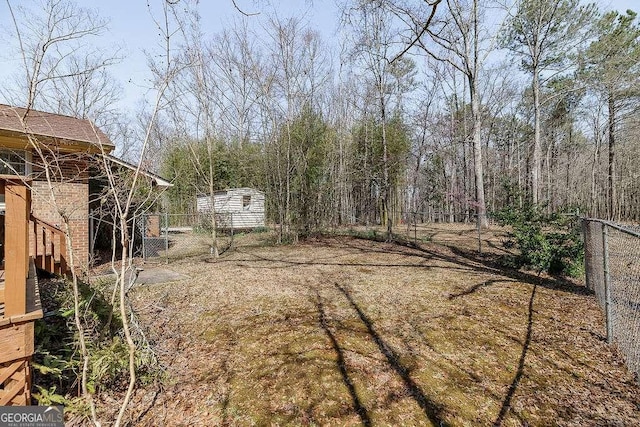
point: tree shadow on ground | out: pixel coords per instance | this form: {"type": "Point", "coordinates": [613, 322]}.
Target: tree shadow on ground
{"type": "Point", "coordinates": [487, 263]}
{"type": "Point", "coordinates": [506, 403]}
{"type": "Point", "coordinates": [468, 260]}
{"type": "Point", "coordinates": [358, 407]}
{"type": "Point", "coordinates": [477, 287]}
{"type": "Point", "coordinates": [490, 263]}
{"type": "Point", "coordinates": [159, 390]}
{"type": "Point", "coordinates": [494, 263]}
{"type": "Point", "coordinates": [432, 410]}
{"type": "Point", "coordinates": [455, 258]}
{"type": "Point", "coordinates": [286, 263]}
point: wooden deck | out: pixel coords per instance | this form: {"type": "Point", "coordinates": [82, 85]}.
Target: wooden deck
{"type": "Point", "coordinates": [17, 344]}
{"type": "Point", "coordinates": [28, 242]}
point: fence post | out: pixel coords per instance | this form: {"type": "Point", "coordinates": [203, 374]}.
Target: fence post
{"type": "Point", "coordinates": [232, 230]}
{"type": "Point", "coordinates": [166, 237]}
{"type": "Point", "coordinates": [586, 242]}
{"type": "Point", "coordinates": [607, 283]}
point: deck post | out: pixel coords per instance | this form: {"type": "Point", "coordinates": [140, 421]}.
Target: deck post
{"type": "Point", "coordinates": [18, 206]}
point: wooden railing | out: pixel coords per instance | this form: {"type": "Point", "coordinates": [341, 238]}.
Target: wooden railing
{"type": "Point", "coordinates": [21, 297]}
{"type": "Point", "coordinates": [50, 247]}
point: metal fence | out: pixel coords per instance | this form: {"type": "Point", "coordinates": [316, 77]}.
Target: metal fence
{"type": "Point", "coordinates": [612, 266]}
{"type": "Point", "coordinates": [153, 232]}
{"type": "Point", "coordinates": [168, 237]}
{"type": "Point", "coordinates": [448, 228]}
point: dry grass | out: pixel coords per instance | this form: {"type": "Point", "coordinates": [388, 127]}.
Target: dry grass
{"type": "Point", "coordinates": [346, 331]}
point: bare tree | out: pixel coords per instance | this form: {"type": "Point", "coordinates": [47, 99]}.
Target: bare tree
{"type": "Point", "coordinates": [51, 46]}
{"type": "Point", "coordinates": [374, 38]}
{"type": "Point", "coordinates": [45, 41]}
{"type": "Point", "coordinates": [164, 72]}
{"type": "Point", "coordinates": [291, 89]}
{"type": "Point", "coordinates": [198, 84]}
{"type": "Point", "coordinates": [87, 91]}
{"type": "Point", "coordinates": [546, 36]}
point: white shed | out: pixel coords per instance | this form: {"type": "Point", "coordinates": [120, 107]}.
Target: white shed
{"type": "Point", "coordinates": [237, 208]}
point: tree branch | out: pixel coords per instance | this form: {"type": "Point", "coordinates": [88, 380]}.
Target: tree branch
{"type": "Point", "coordinates": [434, 7]}
{"type": "Point", "coordinates": [243, 12]}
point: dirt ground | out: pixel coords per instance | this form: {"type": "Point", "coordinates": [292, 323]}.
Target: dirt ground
{"type": "Point", "coordinates": [349, 331]}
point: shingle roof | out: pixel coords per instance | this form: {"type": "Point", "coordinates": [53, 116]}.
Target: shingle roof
{"type": "Point", "coordinates": [51, 125]}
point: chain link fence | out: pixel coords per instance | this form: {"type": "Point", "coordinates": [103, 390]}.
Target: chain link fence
{"type": "Point", "coordinates": [165, 237]}
{"type": "Point", "coordinates": [452, 229]}
{"type": "Point", "coordinates": [168, 237]}
{"type": "Point", "coordinates": [612, 267]}
{"type": "Point", "coordinates": [461, 230]}
{"type": "Point", "coordinates": [153, 229]}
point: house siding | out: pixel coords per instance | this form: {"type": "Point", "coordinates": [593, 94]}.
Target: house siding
{"type": "Point", "coordinates": [230, 210]}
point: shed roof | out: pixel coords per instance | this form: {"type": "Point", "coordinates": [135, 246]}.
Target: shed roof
{"type": "Point", "coordinates": [226, 191]}
{"type": "Point", "coordinates": [49, 125]}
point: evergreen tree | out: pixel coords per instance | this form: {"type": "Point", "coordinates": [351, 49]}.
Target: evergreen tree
{"type": "Point", "coordinates": [545, 35]}
{"type": "Point", "coordinates": [611, 65]}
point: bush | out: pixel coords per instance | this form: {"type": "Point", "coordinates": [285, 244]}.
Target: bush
{"type": "Point", "coordinates": [57, 361]}
{"type": "Point", "coordinates": [547, 242]}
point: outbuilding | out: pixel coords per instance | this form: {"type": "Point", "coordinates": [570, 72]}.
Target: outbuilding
{"type": "Point", "coordinates": [235, 208]}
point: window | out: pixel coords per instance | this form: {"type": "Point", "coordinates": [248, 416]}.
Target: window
{"type": "Point", "coordinates": [15, 162]}
{"type": "Point", "coordinates": [246, 202]}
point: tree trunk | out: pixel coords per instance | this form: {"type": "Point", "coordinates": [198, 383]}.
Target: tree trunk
{"type": "Point", "coordinates": [612, 165]}
{"type": "Point", "coordinates": [214, 236]}
{"type": "Point", "coordinates": [386, 217]}
{"type": "Point", "coordinates": [594, 174]}
{"type": "Point", "coordinates": [481, 210]}
{"type": "Point", "coordinates": [537, 146]}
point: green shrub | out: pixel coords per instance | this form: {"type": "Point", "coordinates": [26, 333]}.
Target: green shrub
{"type": "Point", "coordinates": [371, 234]}
{"type": "Point", "coordinates": [547, 242]}
{"type": "Point", "coordinates": [57, 361]}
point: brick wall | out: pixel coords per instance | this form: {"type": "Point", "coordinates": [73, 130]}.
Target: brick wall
{"type": "Point", "coordinates": [70, 198]}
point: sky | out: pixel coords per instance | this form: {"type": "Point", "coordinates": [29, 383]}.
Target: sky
{"type": "Point", "coordinates": [132, 26]}
{"type": "Point", "coordinates": [132, 29]}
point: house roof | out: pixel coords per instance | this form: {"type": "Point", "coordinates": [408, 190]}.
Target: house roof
{"type": "Point", "coordinates": [49, 125]}
{"type": "Point", "coordinates": [156, 179]}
